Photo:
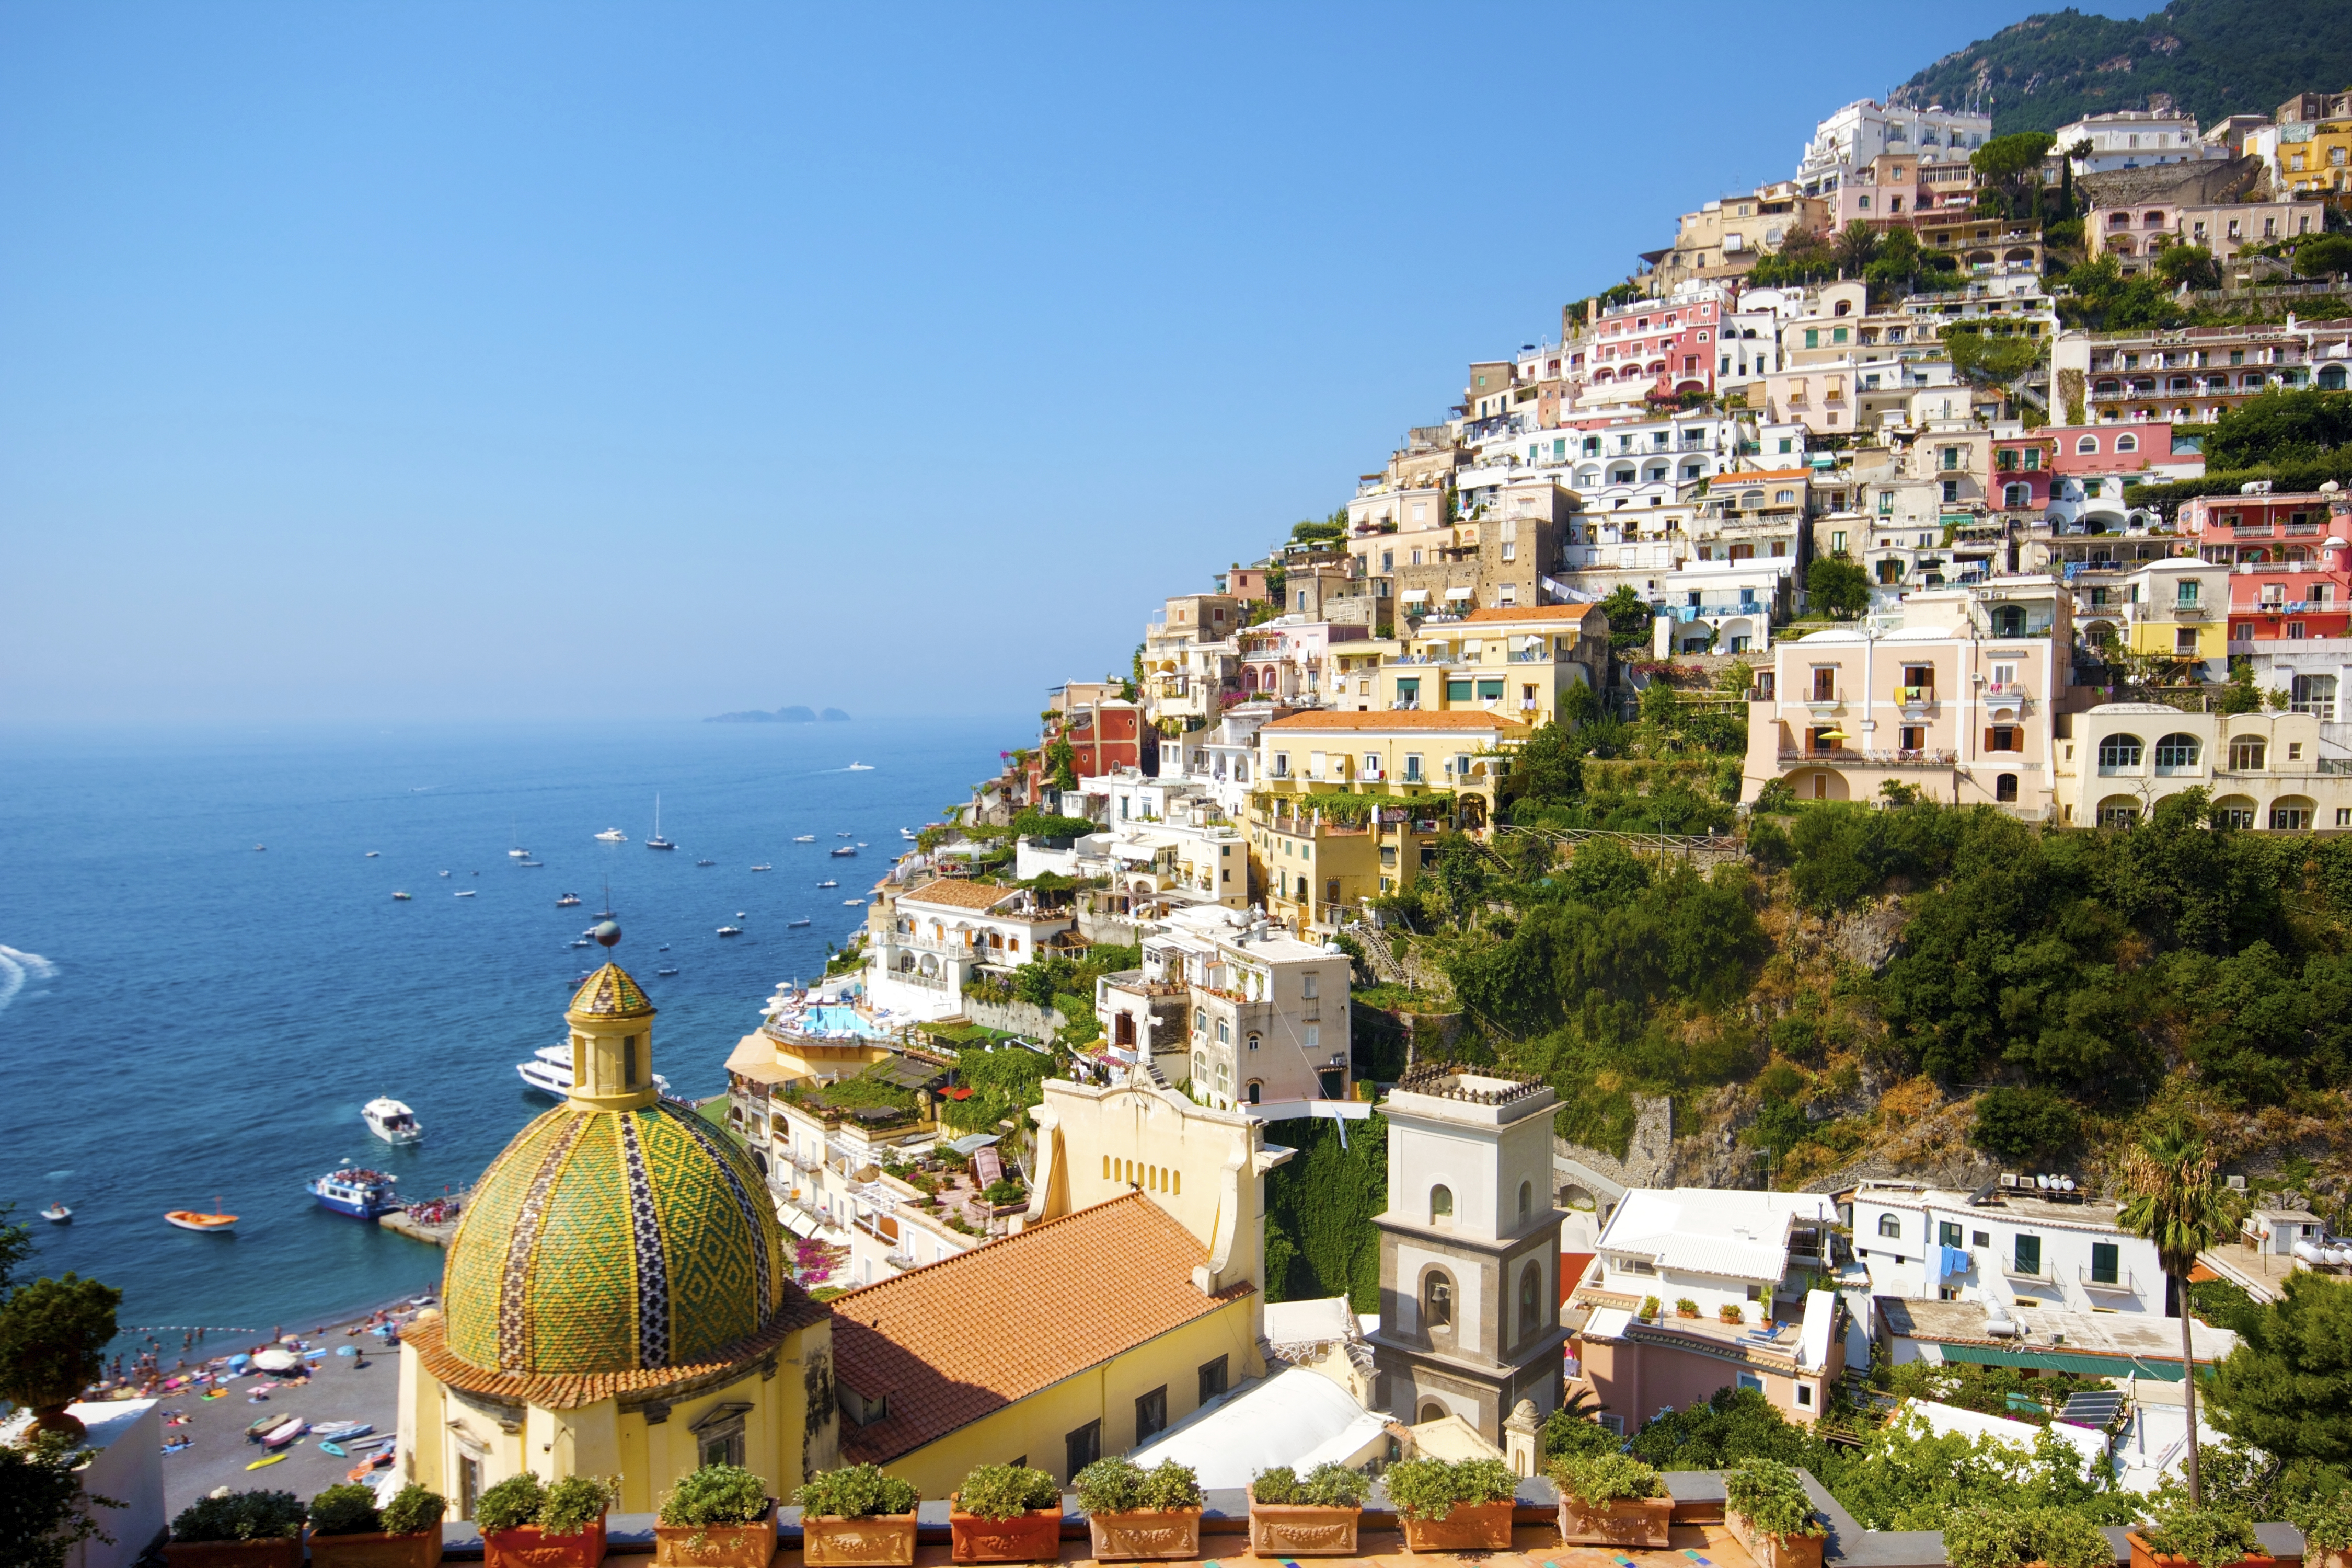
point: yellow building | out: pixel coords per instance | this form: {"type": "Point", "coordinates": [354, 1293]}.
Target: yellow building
{"type": "Point", "coordinates": [2322, 163]}
{"type": "Point", "coordinates": [1350, 804]}
{"type": "Point", "coordinates": [2179, 611]}
{"type": "Point", "coordinates": [1512, 662]}
{"type": "Point", "coordinates": [618, 1299]}
{"type": "Point", "coordinates": [1130, 1299]}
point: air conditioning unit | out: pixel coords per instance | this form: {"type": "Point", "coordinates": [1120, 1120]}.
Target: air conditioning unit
{"type": "Point", "coordinates": [2237, 1183]}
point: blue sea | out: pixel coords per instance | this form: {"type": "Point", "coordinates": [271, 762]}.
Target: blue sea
{"type": "Point", "coordinates": [189, 1019]}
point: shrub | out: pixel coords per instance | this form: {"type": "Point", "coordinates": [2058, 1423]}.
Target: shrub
{"type": "Point", "coordinates": [1433, 1489]}
{"type": "Point", "coordinates": [414, 1509]}
{"type": "Point", "coordinates": [240, 1516]}
{"type": "Point", "coordinates": [2326, 1523]}
{"type": "Point", "coordinates": [1327, 1485]}
{"type": "Point", "coordinates": [716, 1494]}
{"type": "Point", "coordinates": [1596, 1480]}
{"type": "Point", "coordinates": [1990, 1538]}
{"type": "Point", "coordinates": [2065, 1539]}
{"type": "Point", "coordinates": [856, 1491]}
{"type": "Point", "coordinates": [1005, 1492]}
{"type": "Point", "coordinates": [1121, 1485]}
{"type": "Point", "coordinates": [2209, 1536]}
{"type": "Point", "coordinates": [44, 1510]}
{"type": "Point", "coordinates": [575, 1502]}
{"type": "Point", "coordinates": [1649, 1308]}
{"type": "Point", "coordinates": [1769, 1496]}
{"type": "Point", "coordinates": [346, 1509]}
{"type": "Point", "coordinates": [512, 1504]}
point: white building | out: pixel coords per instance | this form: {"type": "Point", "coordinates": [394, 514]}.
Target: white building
{"type": "Point", "coordinates": [1267, 1016]}
{"type": "Point", "coordinates": [2015, 1246]}
{"type": "Point", "coordinates": [937, 936]}
{"type": "Point", "coordinates": [1864, 129]}
{"type": "Point", "coordinates": [1717, 1248]}
{"type": "Point", "coordinates": [2135, 138]}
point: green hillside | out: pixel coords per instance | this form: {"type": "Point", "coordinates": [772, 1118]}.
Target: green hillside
{"type": "Point", "coordinates": [2215, 57]}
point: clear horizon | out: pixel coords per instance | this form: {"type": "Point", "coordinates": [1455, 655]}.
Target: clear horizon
{"type": "Point", "coordinates": [397, 364]}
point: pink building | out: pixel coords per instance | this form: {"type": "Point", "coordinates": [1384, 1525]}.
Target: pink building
{"type": "Point", "coordinates": [1656, 345]}
{"type": "Point", "coordinates": [2293, 577]}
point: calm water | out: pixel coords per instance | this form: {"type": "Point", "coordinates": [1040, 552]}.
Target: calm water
{"type": "Point", "coordinates": [186, 1018]}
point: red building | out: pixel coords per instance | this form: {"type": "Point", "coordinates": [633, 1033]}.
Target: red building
{"type": "Point", "coordinates": [1104, 735]}
{"type": "Point", "coordinates": [2292, 576]}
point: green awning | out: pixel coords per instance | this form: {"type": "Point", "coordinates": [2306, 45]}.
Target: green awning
{"type": "Point", "coordinates": [2065, 1360]}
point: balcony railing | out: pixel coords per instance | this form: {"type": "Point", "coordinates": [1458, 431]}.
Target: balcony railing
{"type": "Point", "coordinates": [1920, 757]}
{"type": "Point", "coordinates": [2120, 1283]}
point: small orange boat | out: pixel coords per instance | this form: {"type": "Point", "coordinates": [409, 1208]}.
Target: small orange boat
{"type": "Point", "coordinates": [190, 1219]}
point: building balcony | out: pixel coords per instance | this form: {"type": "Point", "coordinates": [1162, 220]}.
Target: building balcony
{"type": "Point", "coordinates": [2121, 1283]}
{"type": "Point", "coordinates": [1923, 757]}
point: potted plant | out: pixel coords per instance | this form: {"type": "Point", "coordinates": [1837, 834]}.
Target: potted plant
{"type": "Point", "coordinates": [1610, 1499]}
{"type": "Point", "coordinates": [2011, 1538]}
{"type": "Point", "coordinates": [1649, 1310]}
{"type": "Point", "coordinates": [1447, 1506]}
{"type": "Point", "coordinates": [1685, 1308]}
{"type": "Point", "coordinates": [1316, 1516]}
{"type": "Point", "coordinates": [720, 1516]}
{"type": "Point", "coordinates": [2326, 1529]}
{"type": "Point", "coordinates": [2181, 1536]}
{"type": "Point", "coordinates": [348, 1530]}
{"type": "Point", "coordinates": [526, 1523]}
{"type": "Point", "coordinates": [856, 1517]}
{"type": "Point", "coordinates": [1134, 1514]}
{"type": "Point", "coordinates": [1006, 1513]}
{"type": "Point", "coordinates": [238, 1529]}
{"type": "Point", "coordinates": [1768, 1511]}
{"type": "Point", "coordinates": [1729, 1312]}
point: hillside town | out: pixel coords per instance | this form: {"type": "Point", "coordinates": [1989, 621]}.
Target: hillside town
{"type": "Point", "coordinates": [1849, 492]}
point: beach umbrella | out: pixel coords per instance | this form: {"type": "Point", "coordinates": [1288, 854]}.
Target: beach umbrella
{"type": "Point", "coordinates": [276, 1360]}
{"type": "Point", "coordinates": [347, 1350]}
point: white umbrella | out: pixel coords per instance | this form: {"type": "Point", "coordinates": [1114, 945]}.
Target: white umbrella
{"type": "Point", "coordinates": [275, 1360]}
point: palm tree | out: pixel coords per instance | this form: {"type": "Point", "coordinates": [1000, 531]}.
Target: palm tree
{"type": "Point", "coordinates": [1857, 246]}
{"type": "Point", "coordinates": [2174, 1196]}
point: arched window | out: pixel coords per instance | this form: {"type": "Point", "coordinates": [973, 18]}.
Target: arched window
{"type": "Point", "coordinates": [1784, 498]}
{"type": "Point", "coordinates": [2119, 752]}
{"type": "Point", "coordinates": [2014, 496]}
{"type": "Point", "coordinates": [2127, 443]}
{"type": "Point", "coordinates": [2004, 787]}
{"type": "Point", "coordinates": [1526, 1199]}
{"type": "Point", "coordinates": [1889, 1225]}
{"type": "Point", "coordinates": [1252, 1042]}
{"type": "Point", "coordinates": [2176, 754]}
{"type": "Point", "coordinates": [1437, 1301]}
{"type": "Point", "coordinates": [2086, 444]}
{"type": "Point", "coordinates": [1531, 1312]}
{"type": "Point", "coordinates": [2009, 621]}
{"type": "Point", "coordinates": [1256, 1088]}
{"type": "Point", "coordinates": [2247, 755]}
{"type": "Point", "coordinates": [1432, 1411]}
{"type": "Point", "coordinates": [1441, 1203]}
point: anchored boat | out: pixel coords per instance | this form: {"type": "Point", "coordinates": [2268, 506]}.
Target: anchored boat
{"type": "Point", "coordinates": [356, 1191]}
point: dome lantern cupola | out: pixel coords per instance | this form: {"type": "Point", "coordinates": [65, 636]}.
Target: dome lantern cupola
{"type": "Point", "coordinates": [612, 1043]}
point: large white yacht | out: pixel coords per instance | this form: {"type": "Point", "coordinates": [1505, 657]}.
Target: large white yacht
{"type": "Point", "coordinates": [549, 1072]}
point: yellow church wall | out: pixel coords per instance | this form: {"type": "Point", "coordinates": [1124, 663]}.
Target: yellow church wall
{"type": "Point", "coordinates": [1034, 1429]}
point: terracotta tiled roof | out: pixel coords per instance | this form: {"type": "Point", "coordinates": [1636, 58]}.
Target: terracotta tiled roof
{"type": "Point", "coordinates": [570, 1391]}
{"type": "Point", "coordinates": [1437, 719]}
{"type": "Point", "coordinates": [610, 992]}
{"type": "Point", "coordinates": [958, 1340]}
{"type": "Point", "coordinates": [1531, 613]}
{"type": "Point", "coordinates": [961, 893]}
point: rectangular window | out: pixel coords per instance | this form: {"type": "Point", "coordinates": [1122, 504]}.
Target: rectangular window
{"type": "Point", "coordinates": [1457, 691]}
{"type": "Point", "coordinates": [1947, 1234]}
{"type": "Point", "coordinates": [2029, 1255]}
{"type": "Point", "coordinates": [1151, 1414]}
{"type": "Point", "coordinates": [1081, 1448]}
{"type": "Point", "coordinates": [2107, 1262]}
{"type": "Point", "coordinates": [1749, 1380]}
{"type": "Point", "coordinates": [1837, 543]}
{"type": "Point", "coordinates": [1490, 690]}
{"type": "Point", "coordinates": [1812, 337]}
{"type": "Point", "coordinates": [1310, 985]}
{"type": "Point", "coordinates": [1212, 1380]}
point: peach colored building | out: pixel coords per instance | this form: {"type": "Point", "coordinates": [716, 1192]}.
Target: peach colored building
{"type": "Point", "coordinates": [1955, 692]}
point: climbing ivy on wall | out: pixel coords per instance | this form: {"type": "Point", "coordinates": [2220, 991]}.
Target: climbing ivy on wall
{"type": "Point", "coordinates": [1319, 1238]}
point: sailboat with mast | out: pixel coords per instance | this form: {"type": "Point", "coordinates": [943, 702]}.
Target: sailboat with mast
{"type": "Point", "coordinates": [657, 841]}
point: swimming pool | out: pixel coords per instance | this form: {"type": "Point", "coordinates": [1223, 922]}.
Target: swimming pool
{"type": "Point", "coordinates": [832, 1019]}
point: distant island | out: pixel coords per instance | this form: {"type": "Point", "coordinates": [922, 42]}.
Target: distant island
{"type": "Point", "coordinates": [794, 715]}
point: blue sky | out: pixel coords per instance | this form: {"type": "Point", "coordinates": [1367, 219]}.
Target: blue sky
{"type": "Point", "coordinates": [492, 361]}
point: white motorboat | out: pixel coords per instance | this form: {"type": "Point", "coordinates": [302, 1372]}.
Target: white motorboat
{"type": "Point", "coordinates": [730, 931]}
{"type": "Point", "coordinates": [829, 882]}
{"type": "Point", "coordinates": [57, 1214]}
{"type": "Point", "coordinates": [391, 1121]}
{"type": "Point", "coordinates": [657, 841]}
{"type": "Point", "coordinates": [613, 836]}
{"type": "Point", "coordinates": [793, 925]}
{"type": "Point", "coordinates": [805, 838]}
{"type": "Point", "coordinates": [371, 854]}
{"type": "Point", "coordinates": [465, 893]}
{"type": "Point", "coordinates": [549, 1072]}
{"type": "Point", "coordinates": [764, 866]}
{"type": "Point", "coordinates": [860, 768]}
{"type": "Point", "coordinates": [908, 834]}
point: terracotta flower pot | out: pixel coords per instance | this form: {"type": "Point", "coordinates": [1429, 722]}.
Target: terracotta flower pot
{"type": "Point", "coordinates": [750, 1545]}
{"type": "Point", "coordinates": [883, 1541]}
{"type": "Point", "coordinates": [1031, 1537]}
{"type": "Point", "coordinates": [1622, 1521]}
{"type": "Point", "coordinates": [529, 1546]}
{"type": "Point", "coordinates": [418, 1549]}
{"type": "Point", "coordinates": [2143, 1555]}
{"type": "Point", "coordinates": [1145, 1533]}
{"type": "Point", "coordinates": [277, 1551]}
{"type": "Point", "coordinates": [1302, 1529]}
{"type": "Point", "coordinates": [1471, 1527]}
{"type": "Point", "coordinates": [1774, 1550]}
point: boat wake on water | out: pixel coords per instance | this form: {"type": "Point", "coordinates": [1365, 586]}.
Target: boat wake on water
{"type": "Point", "coordinates": [19, 969]}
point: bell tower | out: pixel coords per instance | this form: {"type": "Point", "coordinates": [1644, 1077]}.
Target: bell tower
{"type": "Point", "coordinates": [612, 1039]}
{"type": "Point", "coordinates": [1469, 1251]}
